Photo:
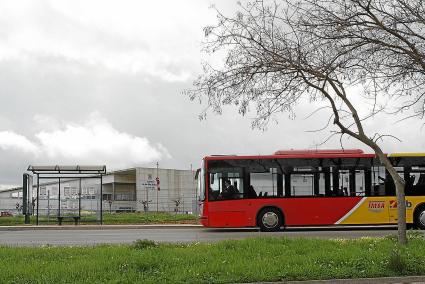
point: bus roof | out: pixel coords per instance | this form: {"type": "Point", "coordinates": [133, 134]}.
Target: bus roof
{"type": "Point", "coordinates": [407, 155]}
{"type": "Point", "coordinates": [316, 152]}
{"type": "Point", "coordinates": [294, 154]}
{"type": "Point", "coordinates": [306, 154]}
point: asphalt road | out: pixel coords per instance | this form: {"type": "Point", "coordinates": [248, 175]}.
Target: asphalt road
{"type": "Point", "coordinates": [126, 235]}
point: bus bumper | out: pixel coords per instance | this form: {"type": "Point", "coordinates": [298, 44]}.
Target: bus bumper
{"type": "Point", "coordinates": [204, 221]}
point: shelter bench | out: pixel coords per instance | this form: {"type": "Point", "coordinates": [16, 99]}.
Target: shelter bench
{"type": "Point", "coordinates": [75, 218]}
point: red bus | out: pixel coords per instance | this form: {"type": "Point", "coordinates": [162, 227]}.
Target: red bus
{"type": "Point", "coordinates": [308, 188]}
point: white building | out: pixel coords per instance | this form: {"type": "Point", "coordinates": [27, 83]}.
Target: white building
{"type": "Point", "coordinates": [133, 189]}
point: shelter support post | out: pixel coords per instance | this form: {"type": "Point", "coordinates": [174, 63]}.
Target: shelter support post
{"type": "Point", "coordinates": [101, 200]}
{"type": "Point", "coordinates": [59, 197]}
{"type": "Point", "coordinates": [38, 195]}
{"type": "Point", "coordinates": [79, 199]}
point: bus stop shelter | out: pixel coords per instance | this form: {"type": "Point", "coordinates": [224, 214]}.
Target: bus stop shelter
{"type": "Point", "coordinates": [65, 174]}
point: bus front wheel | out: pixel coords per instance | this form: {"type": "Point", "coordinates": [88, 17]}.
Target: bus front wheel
{"type": "Point", "coordinates": [270, 219]}
{"type": "Point", "coordinates": [420, 217]}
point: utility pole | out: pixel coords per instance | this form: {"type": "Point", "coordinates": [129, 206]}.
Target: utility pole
{"type": "Point", "coordinates": [147, 199]}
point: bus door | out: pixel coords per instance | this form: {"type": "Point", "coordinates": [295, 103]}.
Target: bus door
{"type": "Point", "coordinates": [379, 204]}
{"type": "Point", "coordinates": [392, 210]}
{"type": "Point", "coordinates": [226, 209]}
{"type": "Point", "coordinates": [364, 185]}
{"type": "Point", "coordinates": [390, 191]}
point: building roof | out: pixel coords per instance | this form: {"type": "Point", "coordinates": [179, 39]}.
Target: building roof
{"type": "Point", "coordinates": [11, 189]}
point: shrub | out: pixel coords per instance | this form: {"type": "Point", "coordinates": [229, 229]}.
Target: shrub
{"type": "Point", "coordinates": [415, 235]}
{"type": "Point", "coordinates": [145, 244]}
{"type": "Point", "coordinates": [397, 262]}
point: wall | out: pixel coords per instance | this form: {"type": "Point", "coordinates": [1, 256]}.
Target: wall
{"type": "Point", "coordinates": [176, 187]}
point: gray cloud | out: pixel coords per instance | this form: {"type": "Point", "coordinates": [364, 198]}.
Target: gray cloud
{"type": "Point", "coordinates": [60, 62]}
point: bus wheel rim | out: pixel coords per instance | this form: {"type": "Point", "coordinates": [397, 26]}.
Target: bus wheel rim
{"type": "Point", "coordinates": [270, 219]}
{"type": "Point", "coordinates": [422, 218]}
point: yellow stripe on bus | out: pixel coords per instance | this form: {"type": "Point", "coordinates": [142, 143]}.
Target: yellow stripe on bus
{"type": "Point", "coordinates": [381, 210]}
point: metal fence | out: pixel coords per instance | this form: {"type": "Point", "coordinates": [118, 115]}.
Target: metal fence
{"type": "Point", "coordinates": [70, 204]}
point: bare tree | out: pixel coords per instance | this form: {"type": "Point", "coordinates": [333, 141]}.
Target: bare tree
{"type": "Point", "coordinates": [388, 38]}
{"type": "Point", "coordinates": [176, 204]}
{"type": "Point", "coordinates": [277, 54]}
{"type": "Point", "coordinates": [145, 204]}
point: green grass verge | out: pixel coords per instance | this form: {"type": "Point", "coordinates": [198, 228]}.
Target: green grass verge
{"type": "Point", "coordinates": [117, 218]}
{"type": "Point", "coordinates": [249, 260]}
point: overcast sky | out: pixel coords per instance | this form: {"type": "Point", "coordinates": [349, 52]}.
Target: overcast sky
{"type": "Point", "coordinates": [100, 82]}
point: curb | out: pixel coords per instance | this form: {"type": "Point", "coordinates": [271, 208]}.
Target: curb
{"type": "Point", "coordinates": [97, 227]}
{"type": "Point", "coordinates": [179, 226]}
{"type": "Point", "coordinates": [402, 279]}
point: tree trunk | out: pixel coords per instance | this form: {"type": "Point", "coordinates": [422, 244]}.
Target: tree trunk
{"type": "Point", "coordinates": [401, 200]}
{"type": "Point", "coordinates": [401, 208]}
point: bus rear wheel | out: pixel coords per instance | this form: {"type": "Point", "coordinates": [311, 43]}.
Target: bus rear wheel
{"type": "Point", "coordinates": [270, 220]}
{"type": "Point", "coordinates": [420, 217]}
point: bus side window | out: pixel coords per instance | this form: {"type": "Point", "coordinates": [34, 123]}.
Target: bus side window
{"type": "Point", "coordinates": [302, 184]}
{"type": "Point", "coordinates": [378, 181]}
{"type": "Point", "coordinates": [418, 188]}
{"type": "Point", "coordinates": [214, 186]}
{"type": "Point", "coordinates": [415, 180]}
{"type": "Point", "coordinates": [264, 182]}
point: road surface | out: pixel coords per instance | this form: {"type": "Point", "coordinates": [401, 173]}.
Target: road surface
{"type": "Point", "coordinates": [72, 236]}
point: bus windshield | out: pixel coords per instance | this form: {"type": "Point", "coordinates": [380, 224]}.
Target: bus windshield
{"type": "Point", "coordinates": [201, 183]}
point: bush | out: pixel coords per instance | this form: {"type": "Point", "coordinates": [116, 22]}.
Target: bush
{"type": "Point", "coordinates": [415, 235]}
{"type": "Point", "coordinates": [144, 244]}
{"type": "Point", "coordinates": [397, 262]}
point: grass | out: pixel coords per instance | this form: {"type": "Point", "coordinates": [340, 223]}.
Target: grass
{"type": "Point", "coordinates": [109, 219]}
{"type": "Point", "coordinates": [249, 260]}
{"type": "Point", "coordinates": [148, 218]}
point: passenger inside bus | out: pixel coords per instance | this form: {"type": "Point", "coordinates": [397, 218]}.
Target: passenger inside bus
{"type": "Point", "coordinates": [338, 192]}
{"type": "Point", "coordinates": [250, 193]}
{"type": "Point", "coordinates": [229, 191]}
{"type": "Point", "coordinates": [213, 194]}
